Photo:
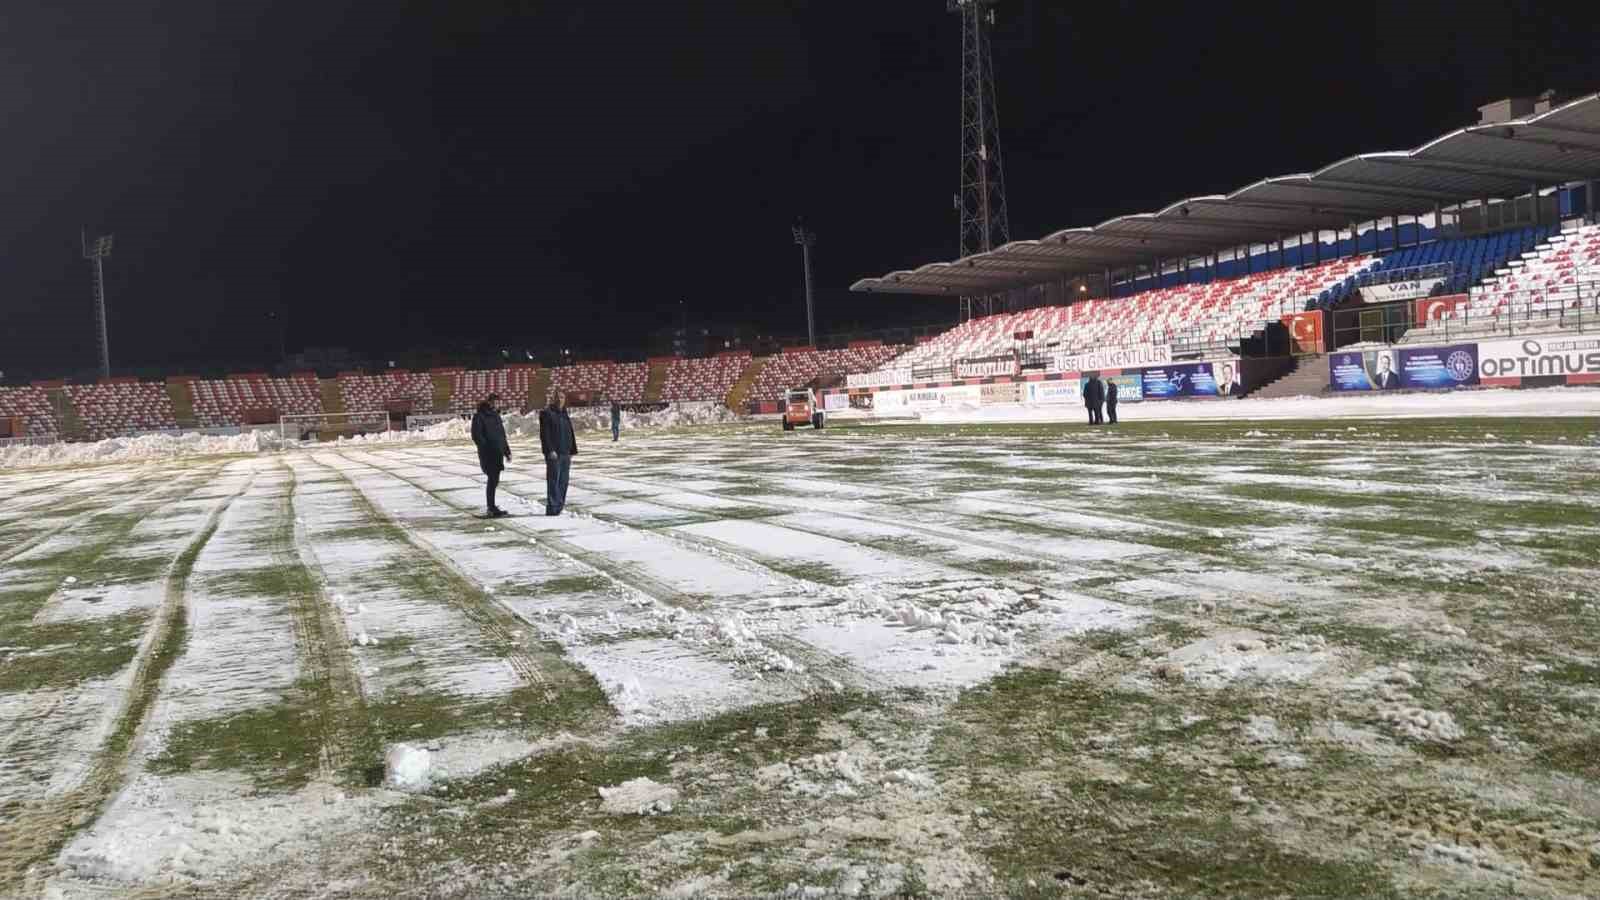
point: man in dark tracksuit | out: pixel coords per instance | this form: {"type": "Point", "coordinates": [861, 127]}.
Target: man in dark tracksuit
{"type": "Point", "coordinates": [489, 433]}
{"type": "Point", "coordinates": [559, 445]}
{"type": "Point", "coordinates": [616, 420]}
{"type": "Point", "coordinates": [1111, 401]}
{"type": "Point", "coordinates": [1093, 396]}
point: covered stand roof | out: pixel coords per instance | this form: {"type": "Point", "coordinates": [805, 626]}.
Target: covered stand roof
{"type": "Point", "coordinates": [1499, 160]}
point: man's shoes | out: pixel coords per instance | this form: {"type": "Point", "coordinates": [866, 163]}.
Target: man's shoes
{"type": "Point", "coordinates": [498, 513]}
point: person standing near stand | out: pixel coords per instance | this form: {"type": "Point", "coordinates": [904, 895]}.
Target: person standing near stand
{"type": "Point", "coordinates": [616, 421]}
{"type": "Point", "coordinates": [1111, 401]}
{"type": "Point", "coordinates": [1093, 396]}
{"type": "Point", "coordinates": [494, 451]}
{"type": "Point", "coordinates": [559, 445]}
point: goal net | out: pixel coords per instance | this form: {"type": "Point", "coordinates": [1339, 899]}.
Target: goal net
{"type": "Point", "coordinates": [313, 427]}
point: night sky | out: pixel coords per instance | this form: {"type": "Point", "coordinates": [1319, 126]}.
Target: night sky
{"type": "Point", "coordinates": [391, 175]}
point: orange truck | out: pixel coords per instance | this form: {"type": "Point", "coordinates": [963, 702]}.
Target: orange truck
{"type": "Point", "coordinates": [800, 409]}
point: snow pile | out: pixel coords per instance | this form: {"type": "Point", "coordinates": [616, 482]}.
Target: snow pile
{"type": "Point", "coordinates": [1556, 401]}
{"type": "Point", "coordinates": [959, 615]}
{"type": "Point", "coordinates": [405, 768]}
{"type": "Point", "coordinates": [144, 447]}
{"type": "Point", "coordinates": [584, 419]}
{"type": "Point", "coordinates": [1423, 725]}
{"type": "Point", "coordinates": [823, 775]}
{"type": "Point", "coordinates": [638, 797]}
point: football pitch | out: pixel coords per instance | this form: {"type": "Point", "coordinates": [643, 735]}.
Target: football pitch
{"type": "Point", "coordinates": [1226, 659]}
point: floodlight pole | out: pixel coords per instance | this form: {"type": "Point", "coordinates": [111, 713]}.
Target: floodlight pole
{"type": "Point", "coordinates": [96, 254]}
{"type": "Point", "coordinates": [807, 239]}
{"type": "Point", "coordinates": [981, 201]}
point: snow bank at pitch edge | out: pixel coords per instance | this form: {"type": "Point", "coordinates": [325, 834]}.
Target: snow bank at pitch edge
{"type": "Point", "coordinates": [1557, 401]}
{"type": "Point", "coordinates": [589, 418]}
{"type": "Point", "coordinates": [149, 446]}
{"type": "Point", "coordinates": [167, 446]}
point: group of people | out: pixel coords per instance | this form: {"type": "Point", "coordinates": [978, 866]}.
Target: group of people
{"type": "Point", "coordinates": [1100, 398]}
{"type": "Point", "coordinates": [557, 441]}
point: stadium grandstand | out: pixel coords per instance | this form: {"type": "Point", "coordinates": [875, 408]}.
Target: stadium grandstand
{"type": "Point", "coordinates": [1493, 220]}
{"type": "Point", "coordinates": [1487, 231]}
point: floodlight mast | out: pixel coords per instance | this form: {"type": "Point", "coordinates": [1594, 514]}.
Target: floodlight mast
{"type": "Point", "coordinates": [96, 253]}
{"type": "Point", "coordinates": [807, 239]}
{"type": "Point", "coordinates": [981, 202]}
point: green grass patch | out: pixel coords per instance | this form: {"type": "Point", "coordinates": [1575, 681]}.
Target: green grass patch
{"type": "Point", "coordinates": [278, 745]}
{"type": "Point", "coordinates": [61, 654]}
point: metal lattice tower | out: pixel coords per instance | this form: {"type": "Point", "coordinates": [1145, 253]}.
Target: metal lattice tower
{"type": "Point", "coordinates": [807, 239]}
{"type": "Point", "coordinates": [981, 202]}
{"type": "Point", "coordinates": [96, 253]}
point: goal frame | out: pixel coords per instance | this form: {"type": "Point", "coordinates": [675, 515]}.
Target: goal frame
{"type": "Point", "coordinates": [343, 424]}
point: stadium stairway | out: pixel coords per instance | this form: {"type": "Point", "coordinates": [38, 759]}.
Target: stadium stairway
{"type": "Point", "coordinates": [332, 397]}
{"type": "Point", "coordinates": [444, 386]}
{"type": "Point", "coordinates": [72, 427]}
{"type": "Point", "coordinates": [539, 389]}
{"type": "Point", "coordinates": [656, 381]}
{"type": "Point", "coordinates": [740, 392]}
{"type": "Point", "coordinates": [1308, 378]}
{"type": "Point", "coordinates": [181, 393]}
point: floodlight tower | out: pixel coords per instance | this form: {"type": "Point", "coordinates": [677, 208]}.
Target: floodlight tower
{"type": "Point", "coordinates": [807, 239]}
{"type": "Point", "coordinates": [96, 253]}
{"type": "Point", "coordinates": [981, 202]}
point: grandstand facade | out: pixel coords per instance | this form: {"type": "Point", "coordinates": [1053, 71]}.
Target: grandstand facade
{"type": "Point", "coordinates": [1443, 256]}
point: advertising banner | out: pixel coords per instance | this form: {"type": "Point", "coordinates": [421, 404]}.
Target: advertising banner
{"type": "Point", "coordinates": [862, 401]}
{"type": "Point", "coordinates": [927, 398]}
{"type": "Point", "coordinates": [1434, 309]}
{"type": "Point", "coordinates": [1131, 357]}
{"type": "Point", "coordinates": [995, 394]}
{"type": "Point", "coordinates": [1045, 393]}
{"type": "Point", "coordinates": [930, 373]}
{"type": "Point", "coordinates": [1435, 368]}
{"type": "Point", "coordinates": [1369, 371]}
{"type": "Point", "coordinates": [1409, 289]}
{"type": "Point", "coordinates": [832, 402]}
{"type": "Point", "coordinates": [1535, 357]}
{"type": "Point", "coordinates": [1130, 386]}
{"type": "Point", "coordinates": [1421, 368]}
{"type": "Point", "coordinates": [881, 378]}
{"type": "Point", "coordinates": [1189, 380]}
{"type": "Point", "coordinates": [988, 367]}
{"type": "Point", "coordinates": [1305, 330]}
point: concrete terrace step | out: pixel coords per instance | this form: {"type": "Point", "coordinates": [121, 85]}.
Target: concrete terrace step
{"type": "Point", "coordinates": [1308, 378]}
{"type": "Point", "coordinates": [741, 389]}
{"type": "Point", "coordinates": [655, 381]}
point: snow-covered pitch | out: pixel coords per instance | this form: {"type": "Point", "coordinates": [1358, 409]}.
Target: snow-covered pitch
{"type": "Point", "coordinates": [1240, 659]}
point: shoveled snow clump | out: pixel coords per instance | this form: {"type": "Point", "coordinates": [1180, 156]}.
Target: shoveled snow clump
{"type": "Point", "coordinates": [638, 797]}
{"type": "Point", "coordinates": [406, 768]}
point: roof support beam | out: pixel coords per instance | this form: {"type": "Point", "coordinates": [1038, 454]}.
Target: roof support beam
{"type": "Point", "coordinates": [1468, 167]}
{"type": "Point", "coordinates": [1377, 188]}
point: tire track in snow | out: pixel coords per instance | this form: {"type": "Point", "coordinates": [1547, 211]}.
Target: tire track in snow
{"type": "Point", "coordinates": [341, 703]}
{"type": "Point", "coordinates": [38, 832]}
{"type": "Point", "coordinates": [493, 619]}
{"type": "Point", "coordinates": [651, 590]}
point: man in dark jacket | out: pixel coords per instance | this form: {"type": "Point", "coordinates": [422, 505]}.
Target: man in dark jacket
{"type": "Point", "coordinates": [1111, 401]}
{"type": "Point", "coordinates": [1093, 396]}
{"type": "Point", "coordinates": [559, 446]}
{"type": "Point", "coordinates": [616, 420]}
{"type": "Point", "coordinates": [489, 433]}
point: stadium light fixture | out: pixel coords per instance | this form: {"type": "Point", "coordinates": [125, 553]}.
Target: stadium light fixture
{"type": "Point", "coordinates": [96, 253]}
{"type": "Point", "coordinates": [807, 239]}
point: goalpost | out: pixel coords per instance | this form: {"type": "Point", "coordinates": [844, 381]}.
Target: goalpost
{"type": "Point", "coordinates": [304, 428]}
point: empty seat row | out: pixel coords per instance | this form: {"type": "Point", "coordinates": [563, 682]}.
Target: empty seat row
{"type": "Point", "coordinates": [223, 402]}
{"type": "Point", "coordinates": [118, 408]}
{"type": "Point", "coordinates": [369, 393]}
{"type": "Point", "coordinates": [31, 404]}
{"type": "Point", "coordinates": [469, 388]}
{"type": "Point", "coordinates": [709, 378]}
{"type": "Point", "coordinates": [792, 369]}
